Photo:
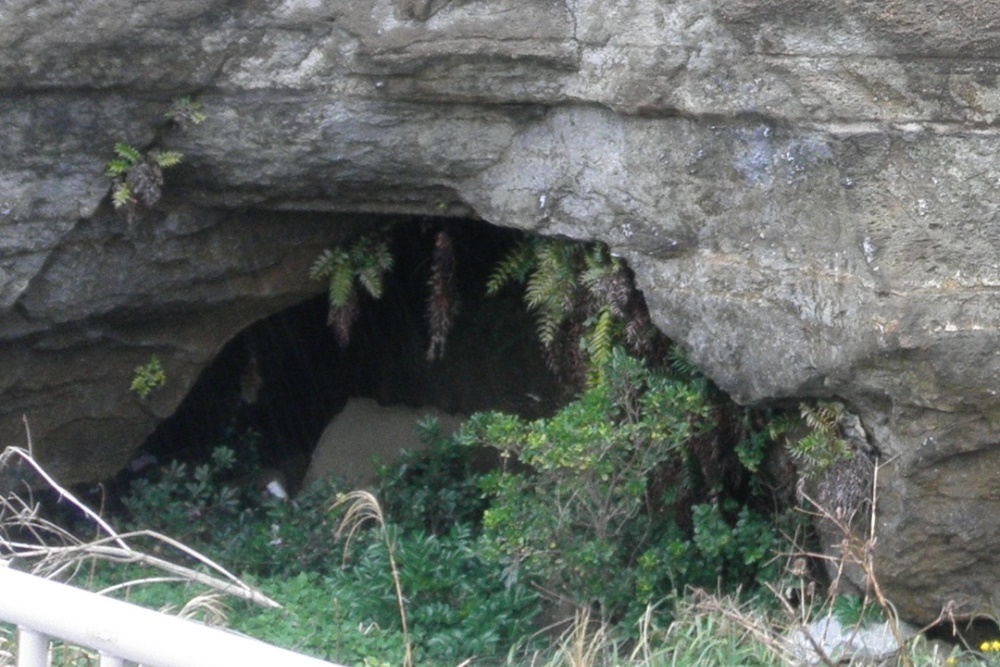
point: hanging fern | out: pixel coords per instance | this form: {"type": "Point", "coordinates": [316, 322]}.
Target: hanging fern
{"type": "Point", "coordinates": [599, 342]}
{"type": "Point", "coordinates": [584, 302]}
{"type": "Point", "coordinates": [552, 289]}
{"type": "Point", "coordinates": [442, 301]}
{"type": "Point", "coordinates": [372, 260]}
{"type": "Point", "coordinates": [364, 263]}
{"type": "Point", "coordinates": [515, 267]}
{"type": "Point", "coordinates": [335, 266]}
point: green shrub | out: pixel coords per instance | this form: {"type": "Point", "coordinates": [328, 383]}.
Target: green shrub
{"type": "Point", "coordinates": [436, 489]}
{"type": "Point", "coordinates": [345, 609]}
{"type": "Point", "coordinates": [579, 516]}
{"type": "Point", "coordinates": [457, 603]}
{"type": "Point", "coordinates": [594, 503]}
{"type": "Point", "coordinates": [189, 505]}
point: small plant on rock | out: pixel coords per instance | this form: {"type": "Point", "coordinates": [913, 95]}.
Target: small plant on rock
{"type": "Point", "coordinates": [148, 377]}
{"type": "Point", "coordinates": [824, 445]}
{"type": "Point", "coordinates": [185, 111]}
{"type": "Point", "coordinates": [137, 177]}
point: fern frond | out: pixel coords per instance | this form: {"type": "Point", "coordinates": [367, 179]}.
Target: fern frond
{"type": "Point", "coordinates": [552, 286]}
{"type": "Point", "coordinates": [166, 158]}
{"type": "Point", "coordinates": [682, 364]}
{"type": "Point", "coordinates": [334, 265]}
{"type": "Point", "coordinates": [515, 267]}
{"type": "Point", "coordinates": [381, 257]}
{"type": "Point", "coordinates": [370, 278]}
{"type": "Point", "coordinates": [548, 324]}
{"type": "Point", "coordinates": [823, 446]}
{"type": "Point", "coordinates": [372, 261]}
{"type": "Point", "coordinates": [323, 266]}
{"type": "Point", "coordinates": [597, 265]}
{"type": "Point", "coordinates": [128, 153]}
{"type": "Point", "coordinates": [117, 167]}
{"type": "Point", "coordinates": [186, 111]}
{"type": "Point", "coordinates": [823, 417]}
{"type": "Point", "coordinates": [600, 343]}
{"type": "Point", "coordinates": [121, 194]}
{"type": "Point", "coordinates": [341, 286]}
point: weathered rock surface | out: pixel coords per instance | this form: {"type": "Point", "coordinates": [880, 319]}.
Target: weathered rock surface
{"type": "Point", "coordinates": [807, 192]}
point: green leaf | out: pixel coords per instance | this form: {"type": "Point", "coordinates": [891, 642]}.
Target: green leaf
{"type": "Point", "coordinates": [515, 267]}
{"type": "Point", "coordinates": [117, 167]}
{"type": "Point", "coordinates": [128, 153]}
{"type": "Point", "coordinates": [341, 285]}
{"type": "Point", "coordinates": [121, 194]}
{"type": "Point", "coordinates": [167, 158]}
{"type": "Point", "coordinates": [600, 341]}
{"type": "Point", "coordinates": [323, 266]}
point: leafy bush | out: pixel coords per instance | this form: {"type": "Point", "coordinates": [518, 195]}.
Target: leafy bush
{"type": "Point", "coordinates": [436, 489]}
{"type": "Point", "coordinates": [593, 503]}
{"type": "Point", "coordinates": [190, 505]}
{"type": "Point", "coordinates": [580, 515]}
{"type": "Point", "coordinates": [457, 603]}
{"type": "Point", "coordinates": [341, 608]}
{"type": "Point", "coordinates": [606, 505]}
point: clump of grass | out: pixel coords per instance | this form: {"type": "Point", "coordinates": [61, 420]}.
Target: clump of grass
{"type": "Point", "coordinates": [583, 643]}
{"type": "Point", "coordinates": [722, 630]}
{"type": "Point", "coordinates": [362, 507]}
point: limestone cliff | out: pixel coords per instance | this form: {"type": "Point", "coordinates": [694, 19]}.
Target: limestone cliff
{"type": "Point", "coordinates": [806, 190]}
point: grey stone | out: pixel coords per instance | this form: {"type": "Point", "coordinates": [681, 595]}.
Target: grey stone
{"type": "Point", "coordinates": [867, 644]}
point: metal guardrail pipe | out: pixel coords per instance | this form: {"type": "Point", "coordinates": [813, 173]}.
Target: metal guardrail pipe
{"type": "Point", "coordinates": [123, 630]}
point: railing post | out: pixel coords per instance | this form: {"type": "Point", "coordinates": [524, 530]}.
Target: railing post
{"type": "Point", "coordinates": [32, 648]}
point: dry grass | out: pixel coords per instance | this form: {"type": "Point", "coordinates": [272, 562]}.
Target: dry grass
{"type": "Point", "coordinates": [362, 507]}
{"type": "Point", "coordinates": [50, 551]}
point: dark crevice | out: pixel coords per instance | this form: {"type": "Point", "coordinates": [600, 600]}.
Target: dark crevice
{"type": "Point", "coordinates": [285, 377]}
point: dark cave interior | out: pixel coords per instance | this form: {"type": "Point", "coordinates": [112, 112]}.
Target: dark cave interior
{"type": "Point", "coordinates": [285, 376]}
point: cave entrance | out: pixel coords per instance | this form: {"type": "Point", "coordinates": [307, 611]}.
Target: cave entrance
{"type": "Point", "coordinates": [275, 386]}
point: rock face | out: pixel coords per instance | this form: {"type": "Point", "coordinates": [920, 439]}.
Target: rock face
{"type": "Point", "coordinates": [806, 190]}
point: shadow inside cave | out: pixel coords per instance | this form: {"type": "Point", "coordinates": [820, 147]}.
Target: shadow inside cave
{"type": "Point", "coordinates": [274, 387]}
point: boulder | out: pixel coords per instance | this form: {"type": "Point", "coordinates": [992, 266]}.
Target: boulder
{"type": "Point", "coordinates": [807, 192]}
{"type": "Point", "coordinates": [365, 432]}
{"type": "Point", "coordinates": [828, 640]}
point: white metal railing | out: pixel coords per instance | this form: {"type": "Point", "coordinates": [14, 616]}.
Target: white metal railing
{"type": "Point", "coordinates": [121, 632]}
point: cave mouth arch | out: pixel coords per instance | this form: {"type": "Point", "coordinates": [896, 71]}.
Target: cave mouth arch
{"type": "Point", "coordinates": [281, 380]}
